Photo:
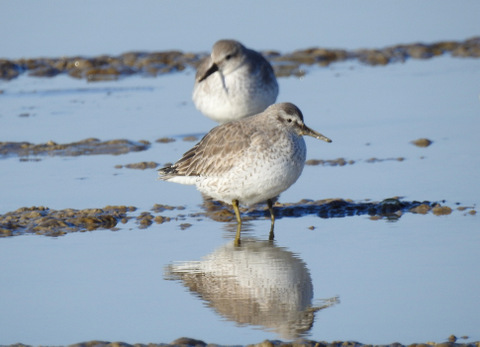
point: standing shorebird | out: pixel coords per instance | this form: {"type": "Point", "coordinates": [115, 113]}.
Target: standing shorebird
{"type": "Point", "coordinates": [247, 161]}
{"type": "Point", "coordinates": [234, 82]}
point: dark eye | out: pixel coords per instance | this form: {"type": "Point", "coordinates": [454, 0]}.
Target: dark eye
{"type": "Point", "coordinates": [289, 120]}
{"type": "Point", "coordinates": [228, 56]}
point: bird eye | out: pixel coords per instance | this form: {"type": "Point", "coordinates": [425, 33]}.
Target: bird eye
{"type": "Point", "coordinates": [289, 120]}
{"type": "Point", "coordinates": [227, 57]}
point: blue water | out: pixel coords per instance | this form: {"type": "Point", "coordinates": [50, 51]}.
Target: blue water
{"type": "Point", "coordinates": [413, 280]}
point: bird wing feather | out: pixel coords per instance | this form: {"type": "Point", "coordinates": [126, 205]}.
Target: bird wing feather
{"type": "Point", "coordinates": [221, 145]}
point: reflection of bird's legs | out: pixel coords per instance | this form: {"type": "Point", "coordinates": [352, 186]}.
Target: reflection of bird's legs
{"type": "Point", "coordinates": [272, 217]}
{"type": "Point", "coordinates": [239, 222]}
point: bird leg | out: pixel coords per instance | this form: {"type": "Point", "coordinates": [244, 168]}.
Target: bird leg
{"type": "Point", "coordinates": [239, 222]}
{"type": "Point", "coordinates": [272, 217]}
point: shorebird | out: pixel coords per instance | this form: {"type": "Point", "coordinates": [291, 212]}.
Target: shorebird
{"type": "Point", "coordinates": [234, 82]}
{"type": "Point", "coordinates": [247, 161]}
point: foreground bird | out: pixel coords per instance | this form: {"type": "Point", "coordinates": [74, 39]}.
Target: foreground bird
{"type": "Point", "coordinates": [234, 82]}
{"type": "Point", "coordinates": [247, 161]}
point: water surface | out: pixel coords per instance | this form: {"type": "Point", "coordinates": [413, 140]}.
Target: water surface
{"type": "Point", "coordinates": [410, 280]}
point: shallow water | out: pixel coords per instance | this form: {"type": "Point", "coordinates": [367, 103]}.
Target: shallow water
{"type": "Point", "coordinates": [414, 279]}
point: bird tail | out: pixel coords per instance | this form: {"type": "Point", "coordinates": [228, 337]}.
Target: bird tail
{"type": "Point", "coordinates": [167, 172]}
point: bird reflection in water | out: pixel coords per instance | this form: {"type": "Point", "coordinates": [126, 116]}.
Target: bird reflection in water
{"type": "Point", "coordinates": [257, 283]}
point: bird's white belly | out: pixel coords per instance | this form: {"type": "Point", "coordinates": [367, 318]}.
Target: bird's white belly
{"type": "Point", "coordinates": [231, 97]}
{"type": "Point", "coordinates": [253, 181]}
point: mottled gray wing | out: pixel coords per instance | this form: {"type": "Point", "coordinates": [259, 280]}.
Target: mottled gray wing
{"type": "Point", "coordinates": [217, 152]}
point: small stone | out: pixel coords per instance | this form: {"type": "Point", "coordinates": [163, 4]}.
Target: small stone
{"type": "Point", "coordinates": [423, 142]}
{"type": "Point", "coordinates": [421, 209]}
{"type": "Point", "coordinates": [314, 162]}
{"type": "Point", "coordinates": [160, 219]}
{"type": "Point", "coordinates": [160, 208]}
{"type": "Point", "coordinates": [441, 210]}
{"type": "Point", "coordinates": [188, 342]}
{"type": "Point", "coordinates": [190, 138]}
{"type": "Point", "coordinates": [184, 226]}
{"type": "Point", "coordinates": [165, 140]}
{"type": "Point", "coordinates": [142, 165]}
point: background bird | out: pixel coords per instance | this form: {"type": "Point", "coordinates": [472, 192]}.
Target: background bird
{"type": "Point", "coordinates": [234, 82]}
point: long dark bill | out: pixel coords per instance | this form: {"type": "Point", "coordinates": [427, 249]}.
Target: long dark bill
{"type": "Point", "coordinates": [210, 70]}
{"type": "Point", "coordinates": [310, 132]}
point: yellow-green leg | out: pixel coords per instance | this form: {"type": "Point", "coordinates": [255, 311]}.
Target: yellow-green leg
{"type": "Point", "coordinates": [272, 218]}
{"type": "Point", "coordinates": [239, 222]}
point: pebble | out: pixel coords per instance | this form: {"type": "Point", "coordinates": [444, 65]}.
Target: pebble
{"type": "Point", "coordinates": [423, 142]}
{"type": "Point", "coordinates": [142, 165]}
{"type": "Point", "coordinates": [441, 210]}
{"type": "Point", "coordinates": [165, 140]}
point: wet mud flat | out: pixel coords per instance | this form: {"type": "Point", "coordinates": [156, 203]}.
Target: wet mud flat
{"type": "Point", "coordinates": [106, 67]}
{"type": "Point", "coordinates": [90, 146]}
{"type": "Point", "coordinates": [49, 222]}
{"type": "Point", "coordinates": [189, 342]}
{"type": "Point", "coordinates": [42, 220]}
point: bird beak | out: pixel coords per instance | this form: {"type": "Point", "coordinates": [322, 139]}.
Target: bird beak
{"type": "Point", "coordinates": [310, 132]}
{"type": "Point", "coordinates": [210, 70]}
